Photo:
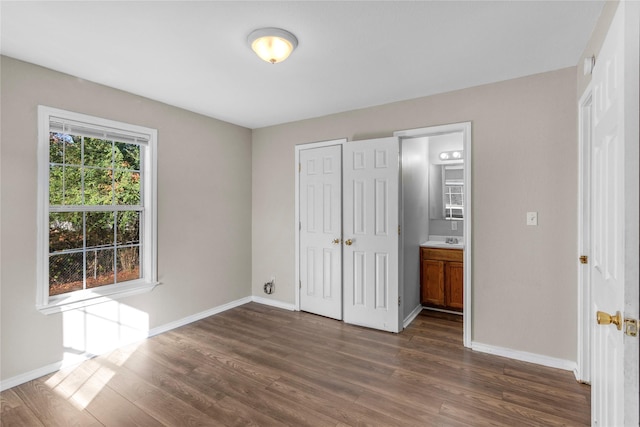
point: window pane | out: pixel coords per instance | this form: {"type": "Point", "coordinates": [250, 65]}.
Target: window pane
{"type": "Point", "coordinates": [127, 188]}
{"type": "Point", "coordinates": [98, 187]}
{"type": "Point", "coordinates": [128, 264]}
{"type": "Point", "coordinates": [128, 228]}
{"type": "Point", "coordinates": [127, 156]}
{"type": "Point", "coordinates": [56, 147]}
{"type": "Point", "coordinates": [100, 268]}
{"type": "Point", "coordinates": [100, 231]}
{"type": "Point", "coordinates": [72, 186]}
{"type": "Point", "coordinates": [65, 273]}
{"type": "Point", "coordinates": [72, 149]}
{"type": "Point", "coordinates": [65, 231]}
{"type": "Point", "coordinates": [56, 176]}
{"type": "Point", "coordinates": [98, 152]}
{"type": "Point", "coordinates": [65, 185]}
{"type": "Point", "coordinates": [456, 199]}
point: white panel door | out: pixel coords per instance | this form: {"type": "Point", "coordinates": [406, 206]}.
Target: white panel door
{"type": "Point", "coordinates": [371, 203]}
{"type": "Point", "coordinates": [607, 229]}
{"type": "Point", "coordinates": [320, 231]}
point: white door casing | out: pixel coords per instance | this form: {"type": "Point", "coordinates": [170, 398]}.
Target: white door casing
{"type": "Point", "coordinates": [371, 220]}
{"type": "Point", "coordinates": [320, 225]}
{"type": "Point", "coordinates": [607, 265]}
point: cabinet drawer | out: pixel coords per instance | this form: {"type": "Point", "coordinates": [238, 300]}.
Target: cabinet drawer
{"type": "Point", "coordinates": [441, 254]}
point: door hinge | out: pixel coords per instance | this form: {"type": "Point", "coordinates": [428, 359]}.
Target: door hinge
{"type": "Point", "coordinates": [300, 284]}
{"type": "Point", "coordinates": [631, 327]}
{"type": "Point", "coordinates": [398, 230]}
{"type": "Point", "coordinates": [299, 167]}
{"type": "Point", "coordinates": [584, 259]}
{"type": "Point", "coordinates": [398, 301]}
{"type": "Point", "coordinates": [299, 225]}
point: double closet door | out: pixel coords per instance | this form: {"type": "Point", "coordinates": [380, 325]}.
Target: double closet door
{"type": "Point", "coordinates": [349, 232]}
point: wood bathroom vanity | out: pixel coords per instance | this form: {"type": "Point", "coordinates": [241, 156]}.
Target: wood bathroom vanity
{"type": "Point", "coordinates": [441, 278]}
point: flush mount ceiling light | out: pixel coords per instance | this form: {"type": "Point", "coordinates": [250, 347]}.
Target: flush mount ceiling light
{"type": "Point", "coordinates": [272, 44]}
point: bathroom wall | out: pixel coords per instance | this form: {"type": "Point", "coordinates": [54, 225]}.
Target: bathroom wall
{"type": "Point", "coordinates": [442, 227]}
{"type": "Point", "coordinates": [415, 200]}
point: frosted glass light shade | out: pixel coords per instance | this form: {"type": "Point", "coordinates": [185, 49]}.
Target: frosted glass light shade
{"type": "Point", "coordinates": [272, 44]}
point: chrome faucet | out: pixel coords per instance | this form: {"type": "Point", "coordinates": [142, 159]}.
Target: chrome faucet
{"type": "Point", "coordinates": [452, 240]}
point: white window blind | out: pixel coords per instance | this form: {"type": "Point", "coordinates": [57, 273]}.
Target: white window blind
{"type": "Point", "coordinates": [57, 124]}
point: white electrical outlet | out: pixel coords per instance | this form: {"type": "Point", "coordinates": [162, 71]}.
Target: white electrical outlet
{"type": "Point", "coordinates": [532, 218]}
{"type": "Point", "coordinates": [454, 225]}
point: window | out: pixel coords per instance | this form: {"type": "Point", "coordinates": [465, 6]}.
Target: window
{"type": "Point", "coordinates": [97, 203]}
{"type": "Point", "coordinates": [452, 192]}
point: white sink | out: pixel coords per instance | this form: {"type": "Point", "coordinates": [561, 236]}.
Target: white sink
{"type": "Point", "coordinates": [441, 244]}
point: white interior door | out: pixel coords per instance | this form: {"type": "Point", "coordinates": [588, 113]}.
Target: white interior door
{"type": "Point", "coordinates": [607, 229]}
{"type": "Point", "coordinates": [320, 202]}
{"type": "Point", "coordinates": [371, 204]}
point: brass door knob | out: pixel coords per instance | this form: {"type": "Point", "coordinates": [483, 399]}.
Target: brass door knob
{"type": "Point", "coordinates": [335, 241]}
{"type": "Point", "coordinates": [606, 319]}
{"type": "Point", "coordinates": [348, 242]}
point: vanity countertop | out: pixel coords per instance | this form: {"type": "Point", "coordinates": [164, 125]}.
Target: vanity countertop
{"type": "Point", "coordinates": [442, 244]}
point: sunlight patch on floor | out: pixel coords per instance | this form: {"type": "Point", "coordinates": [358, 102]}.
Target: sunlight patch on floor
{"type": "Point", "coordinates": [112, 329]}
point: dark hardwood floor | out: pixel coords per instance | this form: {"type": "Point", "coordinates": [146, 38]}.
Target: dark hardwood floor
{"type": "Point", "coordinates": [257, 365]}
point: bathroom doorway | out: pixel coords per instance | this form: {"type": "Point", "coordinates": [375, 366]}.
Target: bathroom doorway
{"type": "Point", "coordinates": [436, 221]}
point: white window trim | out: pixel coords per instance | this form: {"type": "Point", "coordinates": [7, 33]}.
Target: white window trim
{"type": "Point", "coordinates": [82, 298]}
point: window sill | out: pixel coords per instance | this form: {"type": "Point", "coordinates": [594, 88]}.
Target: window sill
{"type": "Point", "coordinates": [80, 299]}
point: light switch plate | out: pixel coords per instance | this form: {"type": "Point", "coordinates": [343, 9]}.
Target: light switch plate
{"type": "Point", "coordinates": [532, 218]}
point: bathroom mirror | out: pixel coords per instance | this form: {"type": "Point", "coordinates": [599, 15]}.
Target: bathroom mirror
{"type": "Point", "coordinates": [446, 189]}
{"type": "Point", "coordinates": [452, 191]}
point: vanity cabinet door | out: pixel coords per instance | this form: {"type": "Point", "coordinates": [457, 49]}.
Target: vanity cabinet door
{"type": "Point", "coordinates": [433, 282]}
{"type": "Point", "coordinates": [454, 285]}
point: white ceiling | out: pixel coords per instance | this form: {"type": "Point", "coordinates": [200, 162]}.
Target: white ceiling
{"type": "Point", "coordinates": [350, 55]}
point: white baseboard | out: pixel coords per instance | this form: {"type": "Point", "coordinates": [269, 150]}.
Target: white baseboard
{"type": "Point", "coordinates": [411, 316]}
{"type": "Point", "coordinates": [77, 359]}
{"type": "Point", "coordinates": [524, 356]}
{"type": "Point", "coordinates": [31, 375]}
{"type": "Point", "coordinates": [274, 303]}
{"type": "Point", "coordinates": [198, 316]}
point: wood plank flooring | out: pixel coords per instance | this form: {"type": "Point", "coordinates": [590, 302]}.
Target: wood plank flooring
{"type": "Point", "coordinates": [258, 365]}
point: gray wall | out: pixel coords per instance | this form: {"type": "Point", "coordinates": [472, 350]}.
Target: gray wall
{"type": "Point", "coordinates": [204, 216]}
{"type": "Point", "coordinates": [415, 200]}
{"type": "Point", "coordinates": [524, 151]}
{"type": "Point", "coordinates": [442, 227]}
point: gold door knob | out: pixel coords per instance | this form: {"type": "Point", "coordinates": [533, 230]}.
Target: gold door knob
{"type": "Point", "coordinates": [335, 241]}
{"type": "Point", "coordinates": [606, 319]}
{"type": "Point", "coordinates": [348, 242]}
